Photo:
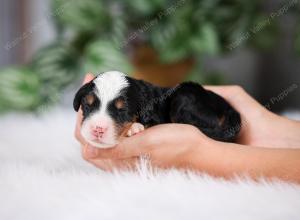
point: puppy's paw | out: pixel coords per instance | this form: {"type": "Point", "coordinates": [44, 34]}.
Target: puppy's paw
{"type": "Point", "coordinates": [135, 128]}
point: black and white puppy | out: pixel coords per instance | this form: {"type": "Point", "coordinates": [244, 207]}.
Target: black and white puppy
{"type": "Point", "coordinates": [115, 105]}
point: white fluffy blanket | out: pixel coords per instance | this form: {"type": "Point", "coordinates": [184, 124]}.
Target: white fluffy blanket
{"type": "Point", "coordinates": [42, 176]}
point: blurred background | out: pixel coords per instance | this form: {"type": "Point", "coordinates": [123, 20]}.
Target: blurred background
{"type": "Point", "coordinates": [46, 46]}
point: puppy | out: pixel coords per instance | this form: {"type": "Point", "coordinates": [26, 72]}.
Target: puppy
{"type": "Point", "coordinates": [115, 105]}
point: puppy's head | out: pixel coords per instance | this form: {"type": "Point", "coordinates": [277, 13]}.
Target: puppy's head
{"type": "Point", "coordinates": [109, 104]}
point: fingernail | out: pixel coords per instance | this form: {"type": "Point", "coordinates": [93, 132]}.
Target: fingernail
{"type": "Point", "coordinates": [91, 151]}
{"type": "Point", "coordinates": [87, 78]}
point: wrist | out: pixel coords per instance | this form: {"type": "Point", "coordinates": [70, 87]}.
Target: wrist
{"type": "Point", "coordinates": [228, 160]}
{"type": "Point", "coordinates": [222, 159]}
{"type": "Point", "coordinates": [286, 131]}
{"type": "Point", "coordinates": [205, 156]}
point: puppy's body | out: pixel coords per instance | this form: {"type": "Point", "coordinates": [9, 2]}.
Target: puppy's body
{"type": "Point", "coordinates": [113, 101]}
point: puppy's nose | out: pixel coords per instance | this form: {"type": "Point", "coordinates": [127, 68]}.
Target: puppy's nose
{"type": "Point", "coordinates": [98, 131]}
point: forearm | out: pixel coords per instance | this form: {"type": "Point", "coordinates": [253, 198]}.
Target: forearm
{"type": "Point", "coordinates": [228, 160]}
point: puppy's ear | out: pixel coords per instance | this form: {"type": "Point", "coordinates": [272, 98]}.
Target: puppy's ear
{"type": "Point", "coordinates": [83, 91]}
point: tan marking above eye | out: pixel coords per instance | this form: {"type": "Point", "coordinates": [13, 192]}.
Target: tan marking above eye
{"type": "Point", "coordinates": [221, 120]}
{"type": "Point", "coordinates": [90, 99]}
{"type": "Point", "coordinates": [119, 103]}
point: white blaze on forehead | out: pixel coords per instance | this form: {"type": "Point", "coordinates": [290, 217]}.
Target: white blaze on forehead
{"type": "Point", "coordinates": [109, 85]}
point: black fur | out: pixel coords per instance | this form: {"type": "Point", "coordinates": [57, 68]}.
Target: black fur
{"type": "Point", "coordinates": [79, 100]}
{"type": "Point", "coordinates": [81, 93]}
{"type": "Point", "coordinates": [127, 113]}
{"type": "Point", "coordinates": [192, 104]}
{"type": "Point", "coordinates": [187, 103]}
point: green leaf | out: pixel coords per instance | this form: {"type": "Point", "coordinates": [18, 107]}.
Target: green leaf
{"type": "Point", "coordinates": [264, 33]}
{"type": "Point", "coordinates": [145, 7]}
{"type": "Point", "coordinates": [103, 55]}
{"type": "Point", "coordinates": [214, 78]}
{"type": "Point", "coordinates": [83, 15]}
{"type": "Point", "coordinates": [56, 63]}
{"type": "Point", "coordinates": [168, 40]}
{"type": "Point", "coordinates": [19, 89]}
{"type": "Point", "coordinates": [297, 42]}
{"type": "Point", "coordinates": [56, 66]}
{"type": "Point", "coordinates": [205, 41]}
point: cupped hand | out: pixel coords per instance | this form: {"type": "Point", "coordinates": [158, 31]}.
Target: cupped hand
{"type": "Point", "coordinates": [165, 146]}
{"type": "Point", "coordinates": [260, 127]}
{"type": "Point", "coordinates": [168, 145]}
{"type": "Point", "coordinates": [175, 145]}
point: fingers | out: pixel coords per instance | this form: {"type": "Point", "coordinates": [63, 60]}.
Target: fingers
{"type": "Point", "coordinates": [232, 93]}
{"type": "Point", "coordinates": [125, 164]}
{"type": "Point", "coordinates": [134, 146]}
{"type": "Point", "coordinates": [127, 148]}
{"type": "Point", "coordinates": [225, 91]}
{"type": "Point", "coordinates": [236, 96]}
{"type": "Point", "coordinates": [217, 89]}
{"type": "Point", "coordinates": [88, 77]}
{"type": "Point", "coordinates": [78, 127]}
{"type": "Point", "coordinates": [143, 143]}
{"type": "Point", "coordinates": [91, 154]}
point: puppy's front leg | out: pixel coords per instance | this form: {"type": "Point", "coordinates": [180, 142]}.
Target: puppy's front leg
{"type": "Point", "coordinates": [135, 128]}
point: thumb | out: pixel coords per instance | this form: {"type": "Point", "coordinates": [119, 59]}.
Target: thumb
{"type": "Point", "coordinates": [89, 152]}
{"type": "Point", "coordinates": [88, 77]}
{"type": "Point", "coordinates": [127, 148]}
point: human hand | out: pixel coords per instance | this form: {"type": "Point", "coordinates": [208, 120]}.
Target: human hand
{"type": "Point", "coordinates": [184, 146]}
{"type": "Point", "coordinates": [165, 146]}
{"type": "Point", "coordinates": [260, 127]}
{"type": "Point", "coordinates": [252, 133]}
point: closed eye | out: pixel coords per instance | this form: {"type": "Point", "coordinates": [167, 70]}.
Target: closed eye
{"type": "Point", "coordinates": [90, 103]}
{"type": "Point", "coordinates": [119, 103]}
{"type": "Point", "coordinates": [90, 99]}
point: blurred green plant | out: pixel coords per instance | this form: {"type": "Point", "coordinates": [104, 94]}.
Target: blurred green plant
{"type": "Point", "coordinates": [297, 38]}
{"type": "Point", "coordinates": [19, 89]}
{"type": "Point", "coordinates": [94, 35]}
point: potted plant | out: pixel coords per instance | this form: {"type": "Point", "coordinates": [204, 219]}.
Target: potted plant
{"type": "Point", "coordinates": [161, 41]}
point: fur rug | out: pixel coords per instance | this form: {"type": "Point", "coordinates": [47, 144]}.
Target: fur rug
{"type": "Point", "coordinates": [42, 176]}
